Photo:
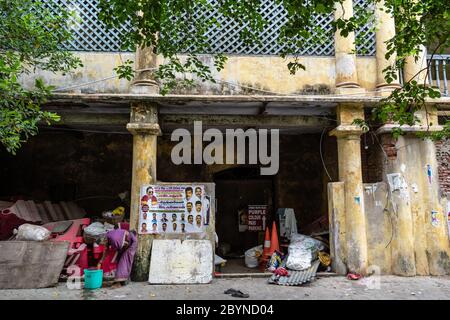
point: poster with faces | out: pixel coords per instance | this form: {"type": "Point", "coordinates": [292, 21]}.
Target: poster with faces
{"type": "Point", "coordinates": [173, 209]}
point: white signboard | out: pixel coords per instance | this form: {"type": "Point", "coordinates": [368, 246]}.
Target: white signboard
{"type": "Point", "coordinates": [175, 261]}
{"type": "Point", "coordinates": [173, 209]}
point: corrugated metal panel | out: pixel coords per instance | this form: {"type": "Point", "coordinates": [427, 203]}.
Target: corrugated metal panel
{"type": "Point", "coordinates": [296, 278]}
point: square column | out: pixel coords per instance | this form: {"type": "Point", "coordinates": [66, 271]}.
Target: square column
{"type": "Point", "coordinates": [145, 129]}
{"type": "Point", "coordinates": [350, 173]}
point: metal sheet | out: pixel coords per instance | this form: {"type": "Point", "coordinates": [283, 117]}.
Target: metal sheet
{"type": "Point", "coordinates": [296, 278]}
{"type": "Point", "coordinates": [31, 264]}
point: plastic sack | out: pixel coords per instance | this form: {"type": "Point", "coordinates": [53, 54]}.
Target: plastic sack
{"type": "Point", "coordinates": [302, 251]}
{"type": "Point", "coordinates": [95, 232]}
{"type": "Point", "coordinates": [219, 260]}
{"type": "Point", "coordinates": [31, 232]}
{"type": "Point", "coordinates": [96, 229]}
{"type": "Point", "coordinates": [252, 255]}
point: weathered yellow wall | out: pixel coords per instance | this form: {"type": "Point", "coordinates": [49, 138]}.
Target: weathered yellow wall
{"type": "Point", "coordinates": [95, 66]}
{"type": "Point", "coordinates": [263, 72]}
{"type": "Point", "coordinates": [385, 229]}
{"type": "Point", "coordinates": [402, 237]}
{"type": "Point", "coordinates": [270, 73]}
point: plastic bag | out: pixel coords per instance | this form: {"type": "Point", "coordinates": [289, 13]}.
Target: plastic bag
{"type": "Point", "coordinates": [275, 261]}
{"type": "Point", "coordinates": [96, 232]}
{"type": "Point", "coordinates": [96, 229]}
{"type": "Point", "coordinates": [219, 260]}
{"type": "Point", "coordinates": [252, 255]}
{"type": "Point", "coordinates": [32, 232]}
{"type": "Point", "coordinates": [302, 251]}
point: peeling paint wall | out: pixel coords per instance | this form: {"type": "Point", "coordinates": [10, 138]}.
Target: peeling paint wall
{"type": "Point", "coordinates": [268, 73]}
{"type": "Point", "coordinates": [96, 66]}
{"type": "Point", "coordinates": [379, 226]}
{"type": "Point", "coordinates": [386, 233]}
{"type": "Point", "coordinates": [406, 217]}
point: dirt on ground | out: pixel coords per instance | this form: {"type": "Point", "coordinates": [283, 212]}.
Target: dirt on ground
{"type": "Point", "coordinates": [329, 288]}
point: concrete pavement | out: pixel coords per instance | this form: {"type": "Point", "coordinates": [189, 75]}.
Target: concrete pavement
{"type": "Point", "coordinates": [330, 287]}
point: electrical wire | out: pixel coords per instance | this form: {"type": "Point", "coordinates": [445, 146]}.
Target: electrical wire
{"type": "Point", "coordinates": [85, 130]}
{"type": "Point", "coordinates": [229, 83]}
{"type": "Point", "coordinates": [321, 156]}
{"type": "Point", "coordinates": [97, 81]}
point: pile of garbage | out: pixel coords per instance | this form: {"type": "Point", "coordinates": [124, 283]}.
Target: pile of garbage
{"type": "Point", "coordinates": [304, 258]}
{"type": "Point", "coordinates": [85, 238]}
{"type": "Point", "coordinates": [300, 264]}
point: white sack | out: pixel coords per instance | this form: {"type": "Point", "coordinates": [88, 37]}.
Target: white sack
{"type": "Point", "coordinates": [302, 251]}
{"type": "Point", "coordinates": [30, 232]}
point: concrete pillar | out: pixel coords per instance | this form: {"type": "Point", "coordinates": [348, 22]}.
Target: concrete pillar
{"type": "Point", "coordinates": [436, 228]}
{"type": "Point", "coordinates": [416, 159]}
{"type": "Point", "coordinates": [402, 243]}
{"type": "Point", "coordinates": [350, 173]}
{"type": "Point", "coordinates": [145, 129]}
{"type": "Point", "coordinates": [346, 73]}
{"type": "Point", "coordinates": [336, 217]}
{"type": "Point", "coordinates": [144, 81]}
{"type": "Point", "coordinates": [384, 32]}
{"type": "Point", "coordinates": [416, 69]}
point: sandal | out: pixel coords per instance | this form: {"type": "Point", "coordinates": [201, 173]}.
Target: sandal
{"type": "Point", "coordinates": [354, 276]}
{"type": "Point", "coordinates": [240, 294]}
{"type": "Point", "coordinates": [230, 291]}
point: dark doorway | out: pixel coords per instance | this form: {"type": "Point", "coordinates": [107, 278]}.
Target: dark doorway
{"type": "Point", "coordinates": [236, 189]}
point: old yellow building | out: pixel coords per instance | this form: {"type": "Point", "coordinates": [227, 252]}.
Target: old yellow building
{"type": "Point", "coordinates": [384, 198]}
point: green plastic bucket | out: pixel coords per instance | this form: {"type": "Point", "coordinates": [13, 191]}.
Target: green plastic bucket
{"type": "Point", "coordinates": [93, 279]}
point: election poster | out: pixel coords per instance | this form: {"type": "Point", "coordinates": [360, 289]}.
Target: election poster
{"type": "Point", "coordinates": [173, 209]}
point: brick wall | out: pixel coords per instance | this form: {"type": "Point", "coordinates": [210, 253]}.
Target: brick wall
{"type": "Point", "coordinates": [371, 159]}
{"type": "Point", "coordinates": [372, 163]}
{"type": "Point", "coordinates": [443, 158]}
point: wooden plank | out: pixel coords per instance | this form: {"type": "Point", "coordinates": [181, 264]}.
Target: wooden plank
{"type": "Point", "coordinates": [48, 205]}
{"type": "Point", "coordinates": [31, 264]}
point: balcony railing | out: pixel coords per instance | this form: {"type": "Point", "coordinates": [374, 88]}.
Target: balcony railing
{"type": "Point", "coordinates": [438, 74]}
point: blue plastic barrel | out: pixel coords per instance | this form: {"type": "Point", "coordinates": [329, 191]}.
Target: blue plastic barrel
{"type": "Point", "coordinates": [93, 278]}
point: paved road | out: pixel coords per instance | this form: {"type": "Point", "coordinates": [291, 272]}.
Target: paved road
{"type": "Point", "coordinates": [388, 287]}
